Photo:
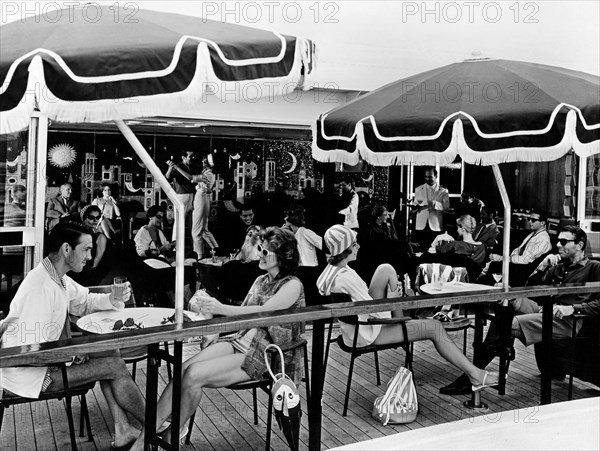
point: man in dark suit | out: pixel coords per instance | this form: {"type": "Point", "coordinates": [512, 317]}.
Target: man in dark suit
{"type": "Point", "coordinates": [61, 206]}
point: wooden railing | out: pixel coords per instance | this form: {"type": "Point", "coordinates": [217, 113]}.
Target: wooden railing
{"type": "Point", "coordinates": [319, 315]}
{"type": "Point", "coordinates": [53, 351]}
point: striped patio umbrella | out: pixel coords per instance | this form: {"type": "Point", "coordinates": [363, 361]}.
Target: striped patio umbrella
{"type": "Point", "coordinates": [95, 63]}
{"type": "Point", "coordinates": [77, 65]}
{"type": "Point", "coordinates": [488, 111]}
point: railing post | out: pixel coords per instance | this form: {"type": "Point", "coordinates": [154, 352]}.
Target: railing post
{"type": "Point", "coordinates": [316, 395]}
{"type": "Point", "coordinates": [151, 394]}
{"type": "Point", "coordinates": [546, 383]}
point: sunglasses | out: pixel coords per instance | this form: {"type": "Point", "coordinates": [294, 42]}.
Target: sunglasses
{"type": "Point", "coordinates": [564, 241]}
{"type": "Point", "coordinates": [159, 216]}
{"type": "Point", "coordinates": [93, 217]}
{"type": "Point", "coordinates": [264, 252]}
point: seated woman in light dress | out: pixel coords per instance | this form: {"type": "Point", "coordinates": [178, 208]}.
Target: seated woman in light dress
{"type": "Point", "coordinates": [240, 359]}
{"type": "Point", "coordinates": [338, 277]}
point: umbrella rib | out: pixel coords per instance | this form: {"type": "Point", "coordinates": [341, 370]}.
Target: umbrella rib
{"type": "Point", "coordinates": [146, 74]}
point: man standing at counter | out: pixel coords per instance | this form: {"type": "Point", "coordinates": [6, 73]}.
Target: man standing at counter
{"type": "Point", "coordinates": [39, 313]}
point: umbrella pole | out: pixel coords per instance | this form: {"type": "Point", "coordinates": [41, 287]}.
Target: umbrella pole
{"type": "Point", "coordinates": [506, 232]}
{"type": "Point", "coordinates": [177, 204]}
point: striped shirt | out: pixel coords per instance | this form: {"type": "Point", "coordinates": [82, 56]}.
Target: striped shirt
{"type": "Point", "coordinates": [533, 247]}
{"type": "Point", "coordinates": [338, 279]}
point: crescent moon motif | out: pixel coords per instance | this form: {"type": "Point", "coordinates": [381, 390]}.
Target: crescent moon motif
{"type": "Point", "coordinates": [12, 163]}
{"type": "Point", "coordinates": [235, 157]}
{"type": "Point", "coordinates": [294, 163]}
{"type": "Point", "coordinates": [130, 187]}
{"type": "Point", "coordinates": [369, 178]}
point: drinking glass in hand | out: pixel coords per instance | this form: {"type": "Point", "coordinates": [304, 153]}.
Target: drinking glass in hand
{"type": "Point", "coordinates": [118, 290]}
{"type": "Point", "coordinates": [497, 277]}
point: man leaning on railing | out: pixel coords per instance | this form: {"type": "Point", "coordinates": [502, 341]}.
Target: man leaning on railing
{"type": "Point", "coordinates": [39, 314]}
{"type": "Point", "coordinates": [570, 265]}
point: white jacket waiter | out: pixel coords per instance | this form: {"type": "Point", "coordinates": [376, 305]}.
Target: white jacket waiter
{"type": "Point", "coordinates": [431, 200]}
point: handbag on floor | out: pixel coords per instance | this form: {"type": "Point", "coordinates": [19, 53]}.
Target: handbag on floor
{"type": "Point", "coordinates": [399, 403]}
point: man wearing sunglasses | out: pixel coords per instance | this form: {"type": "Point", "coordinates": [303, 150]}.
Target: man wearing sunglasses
{"type": "Point", "coordinates": [534, 247]}
{"type": "Point", "coordinates": [570, 265]}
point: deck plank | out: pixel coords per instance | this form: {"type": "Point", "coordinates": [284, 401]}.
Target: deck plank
{"type": "Point", "coordinates": [224, 418]}
{"type": "Point", "coordinates": [8, 436]}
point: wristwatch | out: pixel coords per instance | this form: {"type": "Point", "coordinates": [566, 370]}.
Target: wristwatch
{"type": "Point", "coordinates": [578, 310]}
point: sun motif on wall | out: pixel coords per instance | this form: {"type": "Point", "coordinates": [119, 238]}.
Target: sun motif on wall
{"type": "Point", "coordinates": [62, 155]}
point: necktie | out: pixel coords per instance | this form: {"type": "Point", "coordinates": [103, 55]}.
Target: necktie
{"type": "Point", "coordinates": [481, 227]}
{"type": "Point", "coordinates": [525, 243]}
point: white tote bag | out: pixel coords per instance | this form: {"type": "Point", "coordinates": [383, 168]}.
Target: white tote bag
{"type": "Point", "coordinates": [399, 403]}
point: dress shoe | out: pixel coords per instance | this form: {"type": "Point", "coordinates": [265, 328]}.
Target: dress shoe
{"type": "Point", "coordinates": [461, 386]}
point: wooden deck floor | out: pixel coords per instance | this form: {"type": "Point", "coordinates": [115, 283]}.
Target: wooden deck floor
{"type": "Point", "coordinates": [224, 420]}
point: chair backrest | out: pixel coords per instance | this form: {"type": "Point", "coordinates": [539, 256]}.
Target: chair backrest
{"type": "Point", "coordinates": [340, 298]}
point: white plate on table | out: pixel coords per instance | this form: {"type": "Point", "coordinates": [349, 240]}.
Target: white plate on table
{"type": "Point", "coordinates": [219, 261]}
{"type": "Point", "coordinates": [103, 322]}
{"type": "Point", "coordinates": [455, 287]}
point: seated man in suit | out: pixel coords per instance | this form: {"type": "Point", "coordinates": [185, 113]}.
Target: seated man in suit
{"type": "Point", "coordinates": [569, 266]}
{"type": "Point", "coordinates": [62, 206]}
{"type": "Point", "coordinates": [487, 231]}
{"type": "Point", "coordinates": [533, 247]}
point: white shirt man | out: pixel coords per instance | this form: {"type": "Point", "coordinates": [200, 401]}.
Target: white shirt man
{"type": "Point", "coordinates": [38, 314]}
{"type": "Point", "coordinates": [432, 200]}
{"type": "Point", "coordinates": [351, 211]}
{"type": "Point", "coordinates": [536, 244]}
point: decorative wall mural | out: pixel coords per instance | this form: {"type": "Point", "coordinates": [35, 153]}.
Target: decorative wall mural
{"type": "Point", "coordinates": [294, 163]}
{"type": "Point", "coordinates": [62, 155]}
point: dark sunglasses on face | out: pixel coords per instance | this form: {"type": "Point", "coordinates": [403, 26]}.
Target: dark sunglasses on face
{"type": "Point", "coordinates": [264, 252]}
{"type": "Point", "coordinates": [159, 217]}
{"type": "Point", "coordinates": [564, 241]}
{"type": "Point", "coordinates": [93, 217]}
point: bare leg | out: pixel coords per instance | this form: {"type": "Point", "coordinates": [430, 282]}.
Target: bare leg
{"type": "Point", "coordinates": [105, 226]}
{"type": "Point", "coordinates": [122, 394]}
{"type": "Point", "coordinates": [124, 432]}
{"type": "Point", "coordinates": [385, 276]}
{"type": "Point", "coordinates": [433, 330]}
{"type": "Point", "coordinates": [224, 369]}
{"type": "Point", "coordinates": [384, 281]}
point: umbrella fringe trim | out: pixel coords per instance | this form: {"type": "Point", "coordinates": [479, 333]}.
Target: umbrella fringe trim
{"type": "Point", "coordinates": [458, 146]}
{"type": "Point", "coordinates": [176, 103]}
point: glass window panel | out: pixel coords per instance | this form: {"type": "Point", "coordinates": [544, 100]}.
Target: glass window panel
{"type": "Point", "coordinates": [592, 188]}
{"type": "Point", "coordinates": [13, 178]}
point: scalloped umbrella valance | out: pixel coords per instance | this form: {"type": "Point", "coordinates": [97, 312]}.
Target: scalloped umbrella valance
{"type": "Point", "coordinates": [488, 111]}
{"type": "Point", "coordinates": [126, 64]}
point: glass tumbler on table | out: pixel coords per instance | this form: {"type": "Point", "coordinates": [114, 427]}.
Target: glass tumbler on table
{"type": "Point", "coordinates": [118, 291]}
{"type": "Point", "coordinates": [437, 281]}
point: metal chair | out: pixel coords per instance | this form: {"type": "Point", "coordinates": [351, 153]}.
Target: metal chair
{"type": "Point", "coordinates": [265, 383]}
{"type": "Point", "coordinates": [8, 399]}
{"type": "Point", "coordinates": [355, 351]}
{"type": "Point", "coordinates": [577, 356]}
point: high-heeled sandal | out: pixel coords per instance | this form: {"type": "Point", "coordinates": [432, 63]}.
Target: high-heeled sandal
{"type": "Point", "coordinates": [483, 385]}
{"type": "Point", "coordinates": [166, 425]}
